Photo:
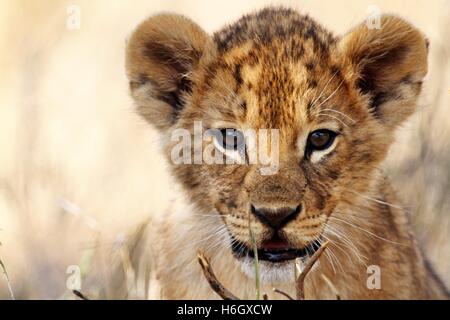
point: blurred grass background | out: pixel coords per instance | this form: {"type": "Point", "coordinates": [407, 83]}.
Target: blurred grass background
{"type": "Point", "coordinates": [80, 173]}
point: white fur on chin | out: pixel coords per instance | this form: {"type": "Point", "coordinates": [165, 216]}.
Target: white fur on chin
{"type": "Point", "coordinates": [274, 273]}
{"type": "Point", "coordinates": [269, 272]}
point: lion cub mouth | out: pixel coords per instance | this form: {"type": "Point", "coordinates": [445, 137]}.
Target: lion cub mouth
{"type": "Point", "coordinates": [275, 250]}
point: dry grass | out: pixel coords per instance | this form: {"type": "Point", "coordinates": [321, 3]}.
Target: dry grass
{"type": "Point", "coordinates": [8, 282]}
{"type": "Point", "coordinates": [80, 173]}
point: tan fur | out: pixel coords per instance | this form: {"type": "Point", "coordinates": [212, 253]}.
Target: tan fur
{"type": "Point", "coordinates": [278, 69]}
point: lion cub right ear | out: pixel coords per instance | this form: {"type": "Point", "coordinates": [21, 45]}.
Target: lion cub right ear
{"type": "Point", "coordinates": [163, 57]}
{"type": "Point", "coordinates": [390, 64]}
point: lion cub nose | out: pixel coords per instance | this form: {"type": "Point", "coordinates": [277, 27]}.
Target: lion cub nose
{"type": "Point", "coordinates": [276, 218]}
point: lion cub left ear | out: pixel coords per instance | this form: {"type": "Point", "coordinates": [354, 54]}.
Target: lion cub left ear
{"type": "Point", "coordinates": [389, 64]}
{"type": "Point", "coordinates": [163, 58]}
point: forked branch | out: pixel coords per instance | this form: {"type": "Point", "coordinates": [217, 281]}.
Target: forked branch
{"type": "Point", "coordinates": [300, 285]}
{"type": "Point", "coordinates": [212, 279]}
{"type": "Point", "coordinates": [225, 294]}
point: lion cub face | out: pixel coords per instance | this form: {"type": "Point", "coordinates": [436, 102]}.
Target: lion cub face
{"type": "Point", "coordinates": [328, 107]}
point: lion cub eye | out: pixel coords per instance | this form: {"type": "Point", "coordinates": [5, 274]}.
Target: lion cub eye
{"type": "Point", "coordinates": [320, 140]}
{"type": "Point", "coordinates": [231, 139]}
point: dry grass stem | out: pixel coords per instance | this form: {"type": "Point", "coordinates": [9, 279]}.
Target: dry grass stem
{"type": "Point", "coordinates": [8, 283]}
{"type": "Point", "coordinates": [256, 261]}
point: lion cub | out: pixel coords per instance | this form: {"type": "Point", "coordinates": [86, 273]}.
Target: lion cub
{"type": "Point", "coordinates": [331, 105]}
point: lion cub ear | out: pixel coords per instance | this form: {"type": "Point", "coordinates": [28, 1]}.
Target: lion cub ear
{"type": "Point", "coordinates": [163, 57]}
{"type": "Point", "coordinates": [388, 64]}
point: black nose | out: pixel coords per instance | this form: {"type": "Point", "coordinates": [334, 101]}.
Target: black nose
{"type": "Point", "coordinates": [276, 218]}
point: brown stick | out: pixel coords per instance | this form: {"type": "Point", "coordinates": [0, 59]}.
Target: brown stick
{"type": "Point", "coordinates": [227, 295]}
{"type": "Point", "coordinates": [300, 285]}
{"type": "Point", "coordinates": [80, 295]}
{"type": "Point", "coordinates": [283, 293]}
{"type": "Point", "coordinates": [212, 279]}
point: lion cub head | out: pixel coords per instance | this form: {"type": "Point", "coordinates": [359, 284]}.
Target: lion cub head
{"type": "Point", "coordinates": [328, 105]}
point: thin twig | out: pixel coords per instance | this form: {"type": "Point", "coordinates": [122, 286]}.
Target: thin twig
{"type": "Point", "coordinates": [8, 283]}
{"type": "Point", "coordinates": [80, 295]}
{"type": "Point", "coordinates": [283, 293]}
{"type": "Point", "coordinates": [300, 285]}
{"type": "Point", "coordinates": [227, 295]}
{"type": "Point", "coordinates": [212, 279]}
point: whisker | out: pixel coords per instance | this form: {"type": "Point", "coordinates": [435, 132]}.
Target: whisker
{"type": "Point", "coordinates": [333, 254]}
{"type": "Point", "coordinates": [341, 113]}
{"type": "Point", "coordinates": [323, 90]}
{"type": "Point", "coordinates": [377, 200]}
{"type": "Point", "coordinates": [331, 95]}
{"type": "Point", "coordinates": [328, 255]}
{"type": "Point", "coordinates": [214, 233]}
{"type": "Point", "coordinates": [348, 243]}
{"type": "Point", "coordinates": [336, 118]}
{"type": "Point", "coordinates": [366, 231]}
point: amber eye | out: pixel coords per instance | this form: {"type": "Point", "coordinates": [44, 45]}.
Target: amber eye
{"type": "Point", "coordinates": [320, 140]}
{"type": "Point", "coordinates": [232, 139]}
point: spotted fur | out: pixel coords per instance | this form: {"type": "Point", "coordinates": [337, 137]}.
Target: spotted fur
{"type": "Point", "coordinates": [278, 69]}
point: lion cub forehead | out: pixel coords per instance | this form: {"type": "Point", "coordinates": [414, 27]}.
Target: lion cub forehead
{"type": "Point", "coordinates": [277, 92]}
{"type": "Point", "coordinates": [269, 24]}
{"type": "Point", "coordinates": [276, 61]}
